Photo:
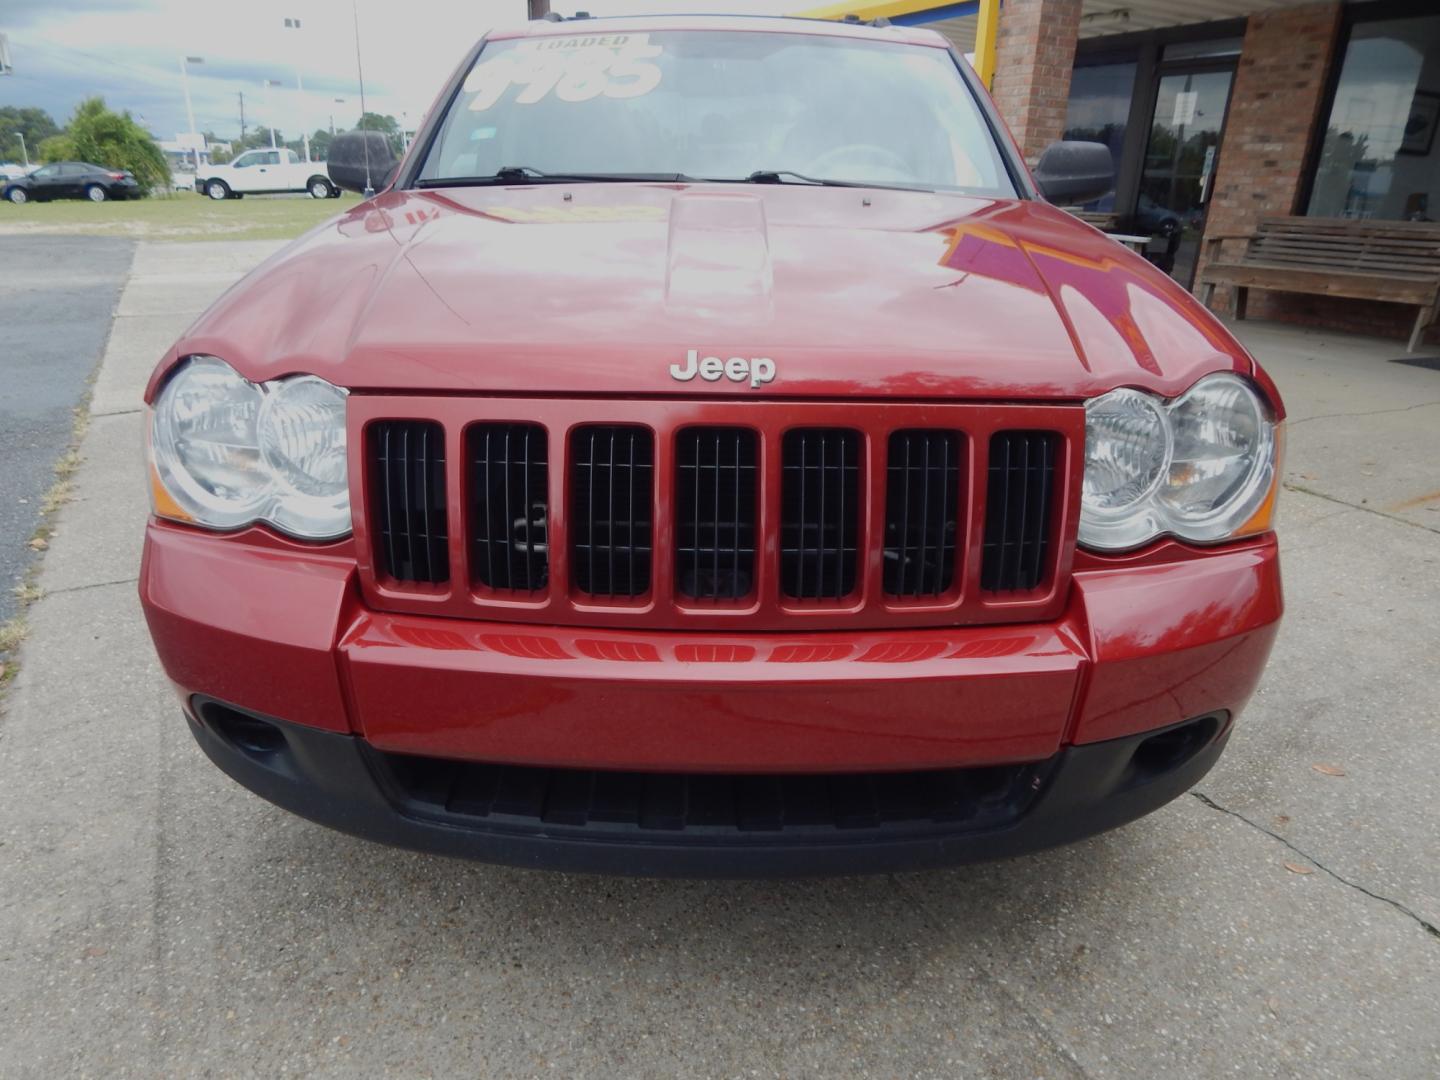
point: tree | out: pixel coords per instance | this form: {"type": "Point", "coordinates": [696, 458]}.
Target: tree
{"type": "Point", "coordinates": [253, 140]}
{"type": "Point", "coordinates": [35, 124]}
{"type": "Point", "coordinates": [115, 140]}
{"type": "Point", "coordinates": [388, 124]}
{"type": "Point", "coordinates": [218, 154]}
{"type": "Point", "coordinates": [55, 148]}
{"type": "Point", "coordinates": [320, 144]}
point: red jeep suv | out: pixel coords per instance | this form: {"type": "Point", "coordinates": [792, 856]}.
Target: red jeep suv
{"type": "Point", "coordinates": [711, 453]}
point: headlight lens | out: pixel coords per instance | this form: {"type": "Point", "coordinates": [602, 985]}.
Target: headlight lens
{"type": "Point", "coordinates": [1127, 446]}
{"type": "Point", "coordinates": [227, 452]}
{"type": "Point", "coordinates": [1200, 467]}
{"type": "Point", "coordinates": [302, 441]}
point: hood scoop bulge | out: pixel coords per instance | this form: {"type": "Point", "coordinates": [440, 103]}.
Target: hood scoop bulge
{"type": "Point", "coordinates": [718, 258]}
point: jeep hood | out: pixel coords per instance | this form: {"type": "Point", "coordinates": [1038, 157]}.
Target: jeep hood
{"type": "Point", "coordinates": [599, 289]}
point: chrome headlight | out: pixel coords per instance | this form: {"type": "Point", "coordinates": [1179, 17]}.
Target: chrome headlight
{"type": "Point", "coordinates": [1201, 467]}
{"type": "Point", "coordinates": [226, 452]}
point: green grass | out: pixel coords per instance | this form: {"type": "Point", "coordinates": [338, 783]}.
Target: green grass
{"type": "Point", "coordinates": [182, 216]}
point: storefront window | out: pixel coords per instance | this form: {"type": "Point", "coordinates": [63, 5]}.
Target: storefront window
{"type": "Point", "coordinates": [1380, 157]}
{"type": "Point", "coordinates": [1098, 110]}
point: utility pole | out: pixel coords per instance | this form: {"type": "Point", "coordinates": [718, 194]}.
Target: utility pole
{"type": "Point", "coordinates": [24, 150]}
{"type": "Point", "coordinates": [242, 116]}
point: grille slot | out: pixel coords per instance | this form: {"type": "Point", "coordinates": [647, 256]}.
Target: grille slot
{"type": "Point", "coordinates": [715, 488]}
{"type": "Point", "coordinates": [611, 475]}
{"type": "Point", "coordinates": [819, 513]}
{"type": "Point", "coordinates": [407, 488]}
{"type": "Point", "coordinates": [1019, 506]}
{"type": "Point", "coordinates": [710, 808]}
{"type": "Point", "coordinates": [922, 502]}
{"type": "Point", "coordinates": [509, 506]}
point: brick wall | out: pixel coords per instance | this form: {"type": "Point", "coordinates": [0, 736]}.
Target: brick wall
{"type": "Point", "coordinates": [1274, 115]}
{"type": "Point", "coordinates": [1034, 55]}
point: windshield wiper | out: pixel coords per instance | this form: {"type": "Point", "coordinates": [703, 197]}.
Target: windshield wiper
{"type": "Point", "coordinates": [525, 174]}
{"type": "Point", "coordinates": [790, 176]}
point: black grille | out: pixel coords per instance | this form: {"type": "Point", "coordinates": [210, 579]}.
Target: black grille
{"type": "Point", "coordinates": [715, 513]}
{"type": "Point", "coordinates": [819, 512]}
{"type": "Point", "coordinates": [407, 490]}
{"type": "Point", "coordinates": [611, 469]}
{"type": "Point", "coordinates": [712, 807]}
{"type": "Point", "coordinates": [1019, 505]}
{"type": "Point", "coordinates": [922, 503]}
{"type": "Point", "coordinates": [509, 506]}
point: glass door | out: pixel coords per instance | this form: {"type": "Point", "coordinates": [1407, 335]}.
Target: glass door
{"type": "Point", "coordinates": [1178, 173]}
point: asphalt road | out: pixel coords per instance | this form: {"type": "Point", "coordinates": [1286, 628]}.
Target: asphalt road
{"type": "Point", "coordinates": [157, 920]}
{"type": "Point", "coordinates": [57, 294]}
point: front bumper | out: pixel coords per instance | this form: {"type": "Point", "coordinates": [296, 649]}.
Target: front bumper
{"type": "Point", "coordinates": [284, 636]}
{"type": "Point", "coordinates": [340, 781]}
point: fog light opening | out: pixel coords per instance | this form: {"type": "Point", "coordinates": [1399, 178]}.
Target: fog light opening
{"type": "Point", "coordinates": [254, 736]}
{"type": "Point", "coordinates": [1170, 749]}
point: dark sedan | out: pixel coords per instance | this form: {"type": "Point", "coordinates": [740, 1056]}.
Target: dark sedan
{"type": "Point", "coordinates": [72, 180]}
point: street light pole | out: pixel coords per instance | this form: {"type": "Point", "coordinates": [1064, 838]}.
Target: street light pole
{"type": "Point", "coordinates": [270, 116]}
{"type": "Point", "coordinates": [189, 111]}
{"type": "Point", "coordinates": [24, 152]}
{"type": "Point", "coordinates": [294, 24]}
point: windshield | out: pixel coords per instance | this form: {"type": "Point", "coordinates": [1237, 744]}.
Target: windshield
{"type": "Point", "coordinates": [719, 106]}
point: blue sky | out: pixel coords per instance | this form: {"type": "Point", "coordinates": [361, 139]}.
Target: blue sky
{"type": "Point", "coordinates": [129, 52]}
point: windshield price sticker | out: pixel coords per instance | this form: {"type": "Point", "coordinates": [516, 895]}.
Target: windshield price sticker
{"type": "Point", "coordinates": [570, 69]}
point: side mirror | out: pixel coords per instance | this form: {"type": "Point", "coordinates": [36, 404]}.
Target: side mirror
{"type": "Point", "coordinates": [361, 159]}
{"type": "Point", "coordinates": [1075, 172]}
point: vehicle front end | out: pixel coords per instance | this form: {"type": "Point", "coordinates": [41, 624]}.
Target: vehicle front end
{"type": "Point", "coordinates": [726, 526]}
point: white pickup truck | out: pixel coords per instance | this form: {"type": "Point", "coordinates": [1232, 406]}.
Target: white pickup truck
{"type": "Point", "coordinates": [264, 171]}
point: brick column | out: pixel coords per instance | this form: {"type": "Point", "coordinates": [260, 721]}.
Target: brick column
{"type": "Point", "coordinates": [1274, 109]}
{"type": "Point", "coordinates": [1035, 52]}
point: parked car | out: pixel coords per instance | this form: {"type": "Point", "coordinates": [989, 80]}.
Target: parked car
{"type": "Point", "coordinates": [685, 465]}
{"type": "Point", "coordinates": [71, 180]}
{"type": "Point", "coordinates": [10, 170]}
{"type": "Point", "coordinates": [258, 172]}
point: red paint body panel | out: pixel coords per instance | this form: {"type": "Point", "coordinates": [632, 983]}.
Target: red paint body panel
{"type": "Point", "coordinates": [517, 291]}
{"type": "Point", "coordinates": [753, 703]}
{"type": "Point", "coordinates": [1172, 641]}
{"type": "Point", "coordinates": [250, 623]}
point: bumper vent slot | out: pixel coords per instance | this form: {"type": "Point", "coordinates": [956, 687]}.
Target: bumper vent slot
{"type": "Point", "coordinates": [819, 513]}
{"type": "Point", "coordinates": [611, 472]}
{"type": "Point", "coordinates": [1019, 508]}
{"type": "Point", "coordinates": [407, 487]}
{"type": "Point", "coordinates": [712, 806]}
{"type": "Point", "coordinates": [715, 490]}
{"type": "Point", "coordinates": [509, 506]}
{"type": "Point", "coordinates": [922, 504]}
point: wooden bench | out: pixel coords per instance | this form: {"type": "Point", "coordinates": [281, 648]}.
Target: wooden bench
{"type": "Point", "coordinates": [1398, 261]}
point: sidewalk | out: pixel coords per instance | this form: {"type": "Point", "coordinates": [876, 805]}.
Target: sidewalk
{"type": "Point", "coordinates": [155, 919]}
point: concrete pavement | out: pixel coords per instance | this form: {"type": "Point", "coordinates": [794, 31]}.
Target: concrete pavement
{"type": "Point", "coordinates": [155, 919]}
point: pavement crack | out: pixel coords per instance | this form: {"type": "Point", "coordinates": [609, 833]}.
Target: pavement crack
{"type": "Point", "coordinates": [1348, 415]}
{"type": "Point", "coordinates": [91, 585]}
{"type": "Point", "coordinates": [117, 412]}
{"type": "Point", "coordinates": [1429, 927]}
{"type": "Point", "coordinates": [1040, 1028]}
{"type": "Point", "coordinates": [1303, 490]}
